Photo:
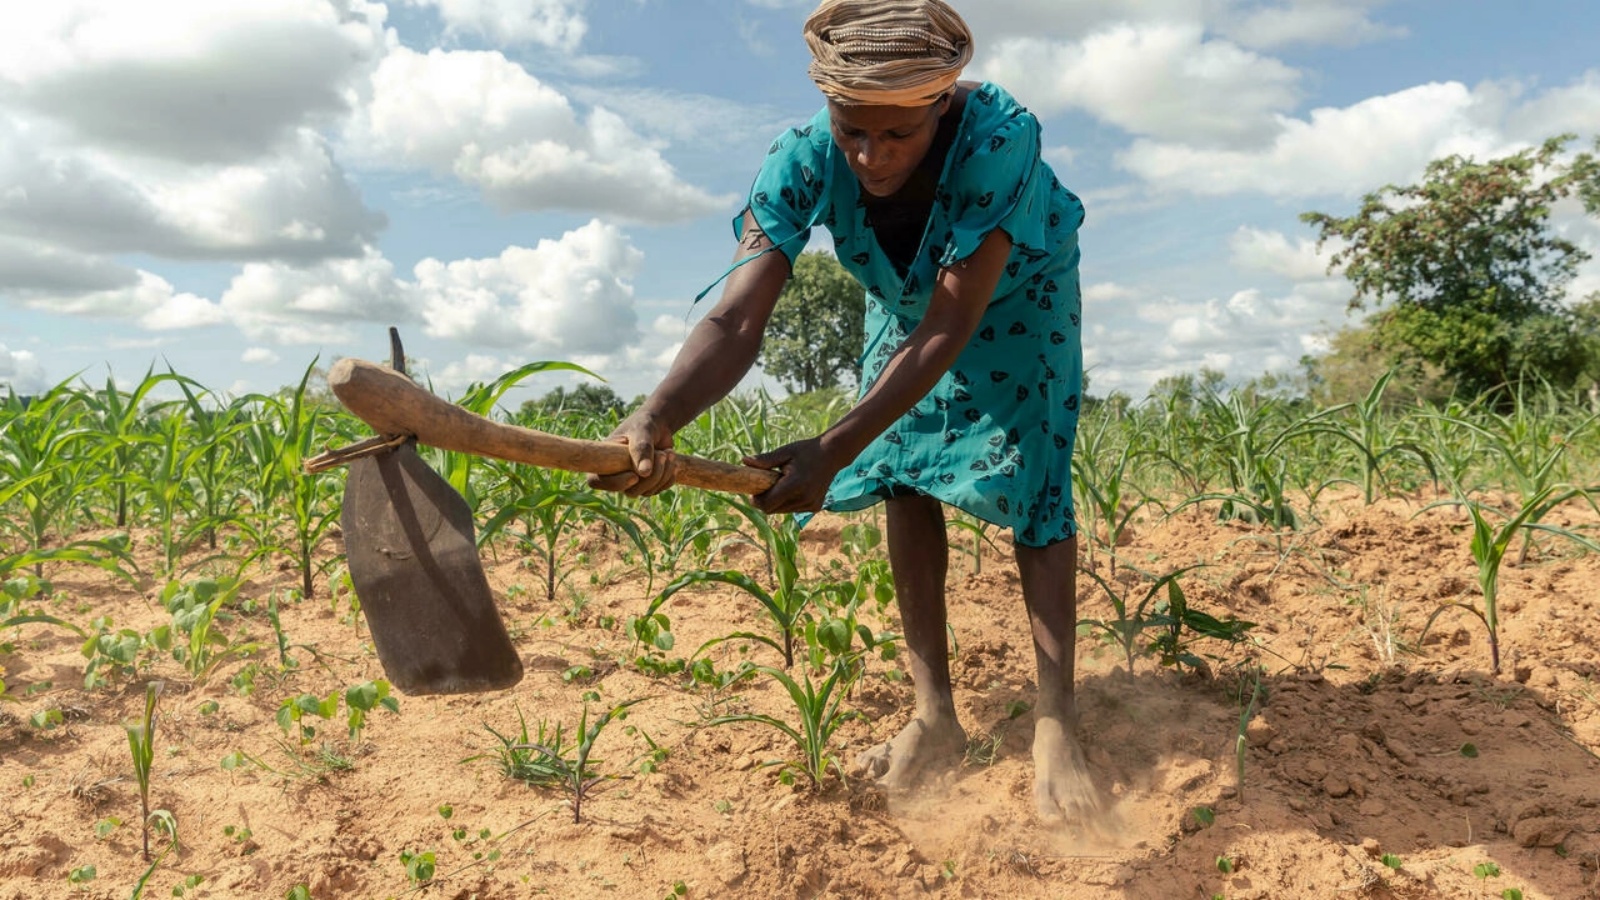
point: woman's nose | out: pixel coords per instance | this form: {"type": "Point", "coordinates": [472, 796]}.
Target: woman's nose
{"type": "Point", "coordinates": [869, 153]}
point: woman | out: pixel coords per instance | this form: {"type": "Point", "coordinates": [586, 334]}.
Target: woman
{"type": "Point", "coordinates": [966, 244]}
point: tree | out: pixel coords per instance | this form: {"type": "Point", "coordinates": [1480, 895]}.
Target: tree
{"type": "Point", "coordinates": [1463, 270]}
{"type": "Point", "coordinates": [587, 399]}
{"type": "Point", "coordinates": [815, 336]}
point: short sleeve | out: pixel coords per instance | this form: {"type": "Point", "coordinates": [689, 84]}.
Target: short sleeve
{"type": "Point", "coordinates": [792, 185]}
{"type": "Point", "coordinates": [996, 183]}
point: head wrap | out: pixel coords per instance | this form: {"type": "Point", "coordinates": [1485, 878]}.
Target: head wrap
{"type": "Point", "coordinates": [887, 52]}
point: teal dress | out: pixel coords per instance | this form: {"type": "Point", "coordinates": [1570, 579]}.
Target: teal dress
{"type": "Point", "coordinates": [994, 436]}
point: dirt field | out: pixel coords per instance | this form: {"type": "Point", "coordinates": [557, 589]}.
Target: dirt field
{"type": "Point", "coordinates": [1372, 768]}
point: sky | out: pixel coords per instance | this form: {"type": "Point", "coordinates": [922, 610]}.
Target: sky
{"type": "Point", "coordinates": [239, 189]}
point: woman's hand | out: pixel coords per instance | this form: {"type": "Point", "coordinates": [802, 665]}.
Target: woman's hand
{"type": "Point", "coordinates": [655, 466]}
{"type": "Point", "coordinates": [806, 471]}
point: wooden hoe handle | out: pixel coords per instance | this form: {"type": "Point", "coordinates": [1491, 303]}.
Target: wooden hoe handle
{"type": "Point", "coordinates": [392, 404]}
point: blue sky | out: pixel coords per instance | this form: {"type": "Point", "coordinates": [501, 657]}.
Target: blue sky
{"type": "Point", "coordinates": [235, 188]}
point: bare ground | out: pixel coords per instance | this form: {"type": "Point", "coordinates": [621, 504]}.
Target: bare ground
{"type": "Point", "coordinates": [1358, 750]}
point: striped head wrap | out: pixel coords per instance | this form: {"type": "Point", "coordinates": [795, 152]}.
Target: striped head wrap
{"type": "Point", "coordinates": [887, 52]}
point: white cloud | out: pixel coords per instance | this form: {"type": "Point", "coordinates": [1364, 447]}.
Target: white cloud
{"type": "Point", "coordinates": [1342, 23]}
{"type": "Point", "coordinates": [283, 304]}
{"type": "Point", "coordinates": [1346, 151]}
{"type": "Point", "coordinates": [568, 296]}
{"type": "Point", "coordinates": [1254, 249]}
{"type": "Point", "coordinates": [1574, 108]}
{"type": "Point", "coordinates": [151, 301]}
{"type": "Point", "coordinates": [21, 371]}
{"type": "Point", "coordinates": [208, 81]}
{"type": "Point", "coordinates": [1164, 81]}
{"type": "Point", "coordinates": [563, 297]}
{"type": "Point", "coordinates": [1141, 339]}
{"type": "Point", "coordinates": [296, 204]}
{"type": "Point", "coordinates": [483, 119]}
{"type": "Point", "coordinates": [558, 24]}
{"type": "Point", "coordinates": [681, 117]}
{"type": "Point", "coordinates": [27, 267]}
{"type": "Point", "coordinates": [1106, 292]}
{"type": "Point", "coordinates": [259, 356]}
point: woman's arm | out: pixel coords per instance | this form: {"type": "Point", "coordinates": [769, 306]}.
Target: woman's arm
{"type": "Point", "coordinates": [960, 297]}
{"type": "Point", "coordinates": [718, 353]}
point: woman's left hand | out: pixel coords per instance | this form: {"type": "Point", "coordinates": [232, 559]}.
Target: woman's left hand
{"type": "Point", "coordinates": [806, 473]}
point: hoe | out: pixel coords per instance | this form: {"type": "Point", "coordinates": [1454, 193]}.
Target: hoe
{"type": "Point", "coordinates": [409, 537]}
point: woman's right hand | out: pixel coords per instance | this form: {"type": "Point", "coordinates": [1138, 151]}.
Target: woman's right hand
{"type": "Point", "coordinates": [655, 466]}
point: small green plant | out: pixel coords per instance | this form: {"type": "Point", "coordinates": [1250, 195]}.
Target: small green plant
{"type": "Point", "coordinates": [111, 654]}
{"type": "Point", "coordinates": [298, 892]}
{"type": "Point", "coordinates": [1486, 870]}
{"type": "Point", "coordinates": [1489, 545]}
{"type": "Point", "coordinates": [361, 699]}
{"type": "Point", "coordinates": [292, 713]}
{"type": "Point", "coordinates": [1241, 744]}
{"type": "Point", "coordinates": [194, 607]}
{"type": "Point", "coordinates": [1170, 617]}
{"type": "Point", "coordinates": [678, 889]}
{"type": "Point", "coordinates": [1204, 815]}
{"type": "Point", "coordinates": [47, 719]}
{"type": "Point", "coordinates": [1225, 865]}
{"type": "Point", "coordinates": [420, 866]}
{"type": "Point", "coordinates": [1511, 894]}
{"type": "Point", "coordinates": [819, 716]}
{"type": "Point", "coordinates": [142, 743]}
{"type": "Point", "coordinates": [81, 875]}
{"type": "Point", "coordinates": [188, 884]}
{"type": "Point", "coordinates": [576, 774]}
{"type": "Point", "coordinates": [1392, 861]}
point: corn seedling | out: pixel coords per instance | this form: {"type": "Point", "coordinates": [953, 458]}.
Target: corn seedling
{"type": "Point", "coordinates": [142, 743]}
{"type": "Point", "coordinates": [817, 708]}
{"type": "Point", "coordinates": [786, 605]}
{"type": "Point", "coordinates": [1489, 545]}
{"type": "Point", "coordinates": [545, 512]}
{"type": "Point", "coordinates": [1241, 743]}
{"type": "Point", "coordinates": [1102, 484]}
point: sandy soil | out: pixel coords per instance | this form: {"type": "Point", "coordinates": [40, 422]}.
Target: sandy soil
{"type": "Point", "coordinates": [1358, 750]}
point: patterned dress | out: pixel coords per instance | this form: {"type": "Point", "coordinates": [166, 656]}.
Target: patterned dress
{"type": "Point", "coordinates": [994, 436]}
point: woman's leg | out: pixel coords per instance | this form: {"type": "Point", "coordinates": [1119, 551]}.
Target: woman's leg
{"type": "Point", "coordinates": [919, 556]}
{"type": "Point", "coordinates": [1049, 588]}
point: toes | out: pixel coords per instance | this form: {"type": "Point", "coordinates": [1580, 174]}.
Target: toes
{"type": "Point", "coordinates": [872, 763]}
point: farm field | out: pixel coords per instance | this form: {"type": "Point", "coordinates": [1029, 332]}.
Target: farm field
{"type": "Point", "coordinates": [1344, 741]}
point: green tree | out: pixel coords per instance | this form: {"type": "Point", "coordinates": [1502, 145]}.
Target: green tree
{"type": "Point", "coordinates": [1463, 270]}
{"type": "Point", "coordinates": [586, 399]}
{"type": "Point", "coordinates": [815, 336]}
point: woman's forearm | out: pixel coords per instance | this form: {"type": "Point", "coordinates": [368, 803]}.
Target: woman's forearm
{"type": "Point", "coordinates": [959, 302]}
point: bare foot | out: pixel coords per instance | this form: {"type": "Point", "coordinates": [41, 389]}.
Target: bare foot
{"type": "Point", "coordinates": [1062, 787]}
{"type": "Point", "coordinates": [901, 762]}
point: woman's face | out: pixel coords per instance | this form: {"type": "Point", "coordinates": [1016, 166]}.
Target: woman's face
{"type": "Point", "coordinates": [884, 144]}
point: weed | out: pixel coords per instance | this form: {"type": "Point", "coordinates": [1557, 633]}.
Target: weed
{"type": "Point", "coordinates": [420, 866]}
{"type": "Point", "coordinates": [361, 699]}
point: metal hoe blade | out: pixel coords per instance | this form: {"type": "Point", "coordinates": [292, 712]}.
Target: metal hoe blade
{"type": "Point", "coordinates": [413, 559]}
